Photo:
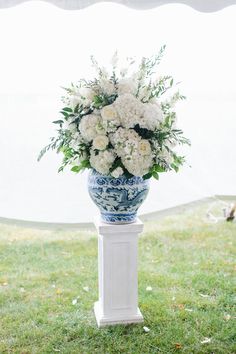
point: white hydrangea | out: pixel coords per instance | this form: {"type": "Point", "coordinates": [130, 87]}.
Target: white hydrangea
{"type": "Point", "coordinates": [152, 116]}
{"type": "Point", "coordinates": [100, 142]}
{"type": "Point", "coordinates": [102, 162]}
{"type": "Point", "coordinates": [138, 165]}
{"type": "Point", "coordinates": [128, 85]}
{"type": "Point", "coordinates": [130, 110]}
{"type": "Point", "coordinates": [164, 157]}
{"type": "Point", "coordinates": [110, 118]}
{"type": "Point", "coordinates": [90, 126]}
{"type": "Point", "coordinates": [76, 140]}
{"type": "Point", "coordinates": [135, 152]}
{"type": "Point", "coordinates": [125, 141]}
{"type": "Point", "coordinates": [117, 172]}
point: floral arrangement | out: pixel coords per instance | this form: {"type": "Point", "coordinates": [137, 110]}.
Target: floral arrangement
{"type": "Point", "coordinates": [120, 123]}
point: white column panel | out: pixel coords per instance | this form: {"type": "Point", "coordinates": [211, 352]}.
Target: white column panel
{"type": "Point", "coordinates": [117, 273]}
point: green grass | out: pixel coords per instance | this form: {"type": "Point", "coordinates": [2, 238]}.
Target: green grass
{"type": "Point", "coordinates": [187, 262]}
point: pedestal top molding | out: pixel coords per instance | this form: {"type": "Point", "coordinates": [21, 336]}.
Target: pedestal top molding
{"type": "Point", "coordinates": [200, 5]}
{"type": "Point", "coordinates": [107, 229]}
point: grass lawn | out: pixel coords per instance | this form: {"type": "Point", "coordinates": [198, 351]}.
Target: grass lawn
{"type": "Point", "coordinates": [187, 261]}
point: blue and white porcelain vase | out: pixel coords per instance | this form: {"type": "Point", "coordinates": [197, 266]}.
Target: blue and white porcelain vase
{"type": "Point", "coordinates": [117, 198]}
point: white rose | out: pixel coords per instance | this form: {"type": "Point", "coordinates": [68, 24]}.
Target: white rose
{"type": "Point", "coordinates": [100, 142]}
{"type": "Point", "coordinates": [110, 119]}
{"type": "Point", "coordinates": [109, 112]}
{"type": "Point", "coordinates": [144, 147]}
{"type": "Point", "coordinates": [117, 172]}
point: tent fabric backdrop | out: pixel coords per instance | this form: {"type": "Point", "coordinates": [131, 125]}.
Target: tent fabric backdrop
{"type": "Point", "coordinates": [200, 5]}
{"type": "Point", "coordinates": [201, 53]}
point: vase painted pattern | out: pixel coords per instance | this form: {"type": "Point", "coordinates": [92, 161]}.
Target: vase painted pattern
{"type": "Point", "coordinates": [117, 198]}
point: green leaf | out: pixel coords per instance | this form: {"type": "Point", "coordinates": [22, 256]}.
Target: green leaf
{"type": "Point", "coordinates": [76, 169]}
{"type": "Point", "coordinates": [67, 109]}
{"type": "Point", "coordinates": [65, 114]}
{"type": "Point", "coordinates": [147, 176]}
{"type": "Point", "coordinates": [58, 121]}
{"type": "Point", "coordinates": [155, 175]}
{"type": "Point", "coordinates": [85, 164]}
{"type": "Point", "coordinates": [158, 168]}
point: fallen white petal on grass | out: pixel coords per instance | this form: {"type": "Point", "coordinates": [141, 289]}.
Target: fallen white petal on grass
{"type": "Point", "coordinates": [189, 310]}
{"type": "Point", "coordinates": [22, 290]}
{"type": "Point", "coordinates": [206, 340]}
{"type": "Point", "coordinates": [146, 329]}
{"type": "Point", "coordinates": [74, 302]}
{"type": "Point", "coordinates": [204, 295]}
{"type": "Point", "coordinates": [148, 288]}
{"type": "Point", "coordinates": [227, 317]}
{"type": "Point", "coordinates": [53, 285]}
{"type": "Point", "coordinates": [86, 288]}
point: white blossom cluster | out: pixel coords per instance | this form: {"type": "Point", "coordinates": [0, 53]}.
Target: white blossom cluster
{"type": "Point", "coordinates": [114, 124]}
{"type": "Point", "coordinates": [111, 123]}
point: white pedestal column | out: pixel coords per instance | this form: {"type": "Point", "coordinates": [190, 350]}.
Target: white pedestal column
{"type": "Point", "coordinates": [117, 273]}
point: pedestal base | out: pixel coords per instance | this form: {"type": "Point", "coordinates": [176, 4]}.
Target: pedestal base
{"type": "Point", "coordinates": [118, 274]}
{"type": "Point", "coordinates": [103, 321]}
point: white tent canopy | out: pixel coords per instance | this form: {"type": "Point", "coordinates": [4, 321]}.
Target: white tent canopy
{"type": "Point", "coordinates": [200, 5]}
{"type": "Point", "coordinates": [37, 58]}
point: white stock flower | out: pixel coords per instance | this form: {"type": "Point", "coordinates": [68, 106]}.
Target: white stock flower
{"type": "Point", "coordinates": [144, 93]}
{"type": "Point", "coordinates": [110, 119]}
{"type": "Point", "coordinates": [83, 156]}
{"type": "Point", "coordinates": [164, 156]}
{"type": "Point", "coordinates": [100, 142]}
{"type": "Point", "coordinates": [123, 71]}
{"type": "Point", "coordinates": [90, 126]}
{"type": "Point", "coordinates": [102, 162]}
{"type": "Point", "coordinates": [114, 59]}
{"type": "Point", "coordinates": [76, 140]}
{"type": "Point", "coordinates": [107, 86]}
{"type": "Point", "coordinates": [74, 100]}
{"type": "Point", "coordinates": [130, 110]}
{"type": "Point", "coordinates": [87, 95]}
{"type": "Point", "coordinates": [127, 86]}
{"type": "Point", "coordinates": [152, 116]}
{"type": "Point", "coordinates": [117, 172]}
{"type": "Point", "coordinates": [72, 127]}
